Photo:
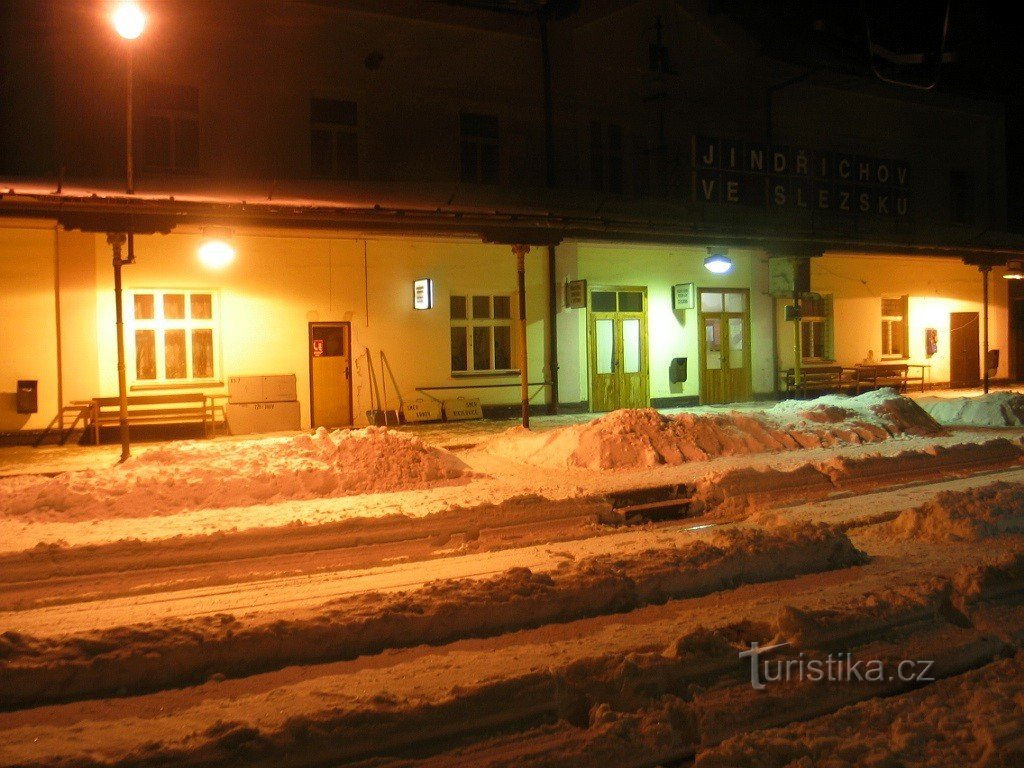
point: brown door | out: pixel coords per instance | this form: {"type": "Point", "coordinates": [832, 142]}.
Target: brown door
{"type": "Point", "coordinates": [724, 327]}
{"type": "Point", "coordinates": [1016, 335]}
{"type": "Point", "coordinates": [619, 374]}
{"type": "Point", "coordinates": [330, 375]}
{"type": "Point", "coordinates": [964, 349]}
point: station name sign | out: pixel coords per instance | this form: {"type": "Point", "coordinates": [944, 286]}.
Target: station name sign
{"type": "Point", "coordinates": [788, 178]}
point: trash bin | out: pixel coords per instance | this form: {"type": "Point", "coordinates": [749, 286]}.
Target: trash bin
{"type": "Point", "coordinates": [28, 396]}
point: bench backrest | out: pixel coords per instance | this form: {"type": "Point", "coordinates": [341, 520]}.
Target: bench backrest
{"type": "Point", "coordinates": [825, 372]}
{"type": "Point", "coordinates": [196, 398]}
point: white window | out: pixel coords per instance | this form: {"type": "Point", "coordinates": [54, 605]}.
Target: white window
{"type": "Point", "coordinates": [481, 333]}
{"type": "Point", "coordinates": [816, 327]}
{"type": "Point", "coordinates": [894, 327]}
{"type": "Point", "coordinates": [174, 335]}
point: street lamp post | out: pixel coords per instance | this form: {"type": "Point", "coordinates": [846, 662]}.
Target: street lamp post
{"type": "Point", "coordinates": [129, 22]}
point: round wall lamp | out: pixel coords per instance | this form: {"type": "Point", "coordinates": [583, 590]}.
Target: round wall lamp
{"type": "Point", "coordinates": [1014, 270]}
{"type": "Point", "coordinates": [216, 250]}
{"type": "Point", "coordinates": [717, 263]}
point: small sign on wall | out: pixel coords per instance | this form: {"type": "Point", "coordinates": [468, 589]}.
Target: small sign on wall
{"type": "Point", "coordinates": [423, 293]}
{"type": "Point", "coordinates": [683, 296]}
{"type": "Point", "coordinates": [576, 294]}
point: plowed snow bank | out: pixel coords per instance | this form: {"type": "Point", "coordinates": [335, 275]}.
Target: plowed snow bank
{"type": "Point", "coordinates": [962, 515]}
{"type": "Point", "coordinates": [192, 475]}
{"type": "Point", "coordinates": [975, 719]}
{"type": "Point", "coordinates": [997, 409]}
{"type": "Point", "coordinates": [635, 439]}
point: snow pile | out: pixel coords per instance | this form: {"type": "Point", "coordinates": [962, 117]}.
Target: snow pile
{"type": "Point", "coordinates": [641, 438]}
{"type": "Point", "coordinates": [974, 719]}
{"type": "Point", "coordinates": [997, 409]}
{"type": "Point", "coordinates": [962, 515]}
{"type": "Point", "coordinates": [193, 475]}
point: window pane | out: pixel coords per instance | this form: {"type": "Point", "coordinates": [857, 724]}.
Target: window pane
{"type": "Point", "coordinates": [892, 307]}
{"type": "Point", "coordinates": [174, 354]}
{"type": "Point", "coordinates": [468, 161]}
{"type": "Point", "coordinates": [321, 149]}
{"type": "Point", "coordinates": [144, 306]}
{"type": "Point", "coordinates": [458, 307]}
{"type": "Point", "coordinates": [897, 337]}
{"type": "Point", "coordinates": [602, 301]}
{"type": "Point", "coordinates": [711, 302]}
{"type": "Point", "coordinates": [174, 306]}
{"type": "Point", "coordinates": [631, 301]}
{"type": "Point", "coordinates": [459, 358]}
{"type": "Point", "coordinates": [502, 347]}
{"type": "Point", "coordinates": [202, 353]}
{"type": "Point", "coordinates": [735, 302]}
{"type": "Point", "coordinates": [201, 306]}
{"type": "Point", "coordinates": [631, 345]}
{"type": "Point", "coordinates": [145, 354]}
{"type": "Point", "coordinates": [502, 307]}
{"type": "Point", "coordinates": [481, 348]}
{"type": "Point", "coordinates": [737, 342]}
{"type": "Point", "coordinates": [480, 126]}
{"type": "Point", "coordinates": [157, 139]}
{"type": "Point", "coordinates": [347, 144]}
{"type": "Point", "coordinates": [604, 345]}
{"type": "Point", "coordinates": [481, 307]}
{"type": "Point", "coordinates": [332, 111]}
{"type": "Point", "coordinates": [713, 343]}
{"type": "Point", "coordinates": [490, 164]}
{"type": "Point", "coordinates": [186, 144]}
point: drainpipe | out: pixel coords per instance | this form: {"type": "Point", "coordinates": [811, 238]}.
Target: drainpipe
{"type": "Point", "coordinates": [520, 252]}
{"type": "Point", "coordinates": [549, 168]}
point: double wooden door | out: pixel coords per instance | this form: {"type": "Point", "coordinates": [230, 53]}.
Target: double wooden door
{"type": "Point", "coordinates": [619, 369]}
{"type": "Point", "coordinates": [724, 318]}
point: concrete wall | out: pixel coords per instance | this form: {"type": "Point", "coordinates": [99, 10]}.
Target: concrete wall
{"type": "Point", "coordinates": [935, 287]}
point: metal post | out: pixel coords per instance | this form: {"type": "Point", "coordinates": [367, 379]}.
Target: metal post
{"type": "Point", "coordinates": [985, 269]}
{"type": "Point", "coordinates": [116, 240]}
{"type": "Point", "coordinates": [797, 352]}
{"type": "Point", "coordinates": [129, 157]}
{"type": "Point", "coordinates": [524, 377]}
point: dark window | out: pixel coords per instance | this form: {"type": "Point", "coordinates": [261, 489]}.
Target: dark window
{"type": "Point", "coordinates": [479, 148]}
{"type": "Point", "coordinates": [460, 354]}
{"type": "Point", "coordinates": [606, 161]}
{"type": "Point", "coordinates": [458, 307]}
{"type": "Point", "coordinates": [170, 127]}
{"type": "Point", "coordinates": [603, 301]}
{"type": "Point", "coordinates": [815, 327]}
{"type": "Point", "coordinates": [961, 197]}
{"type": "Point", "coordinates": [334, 138]}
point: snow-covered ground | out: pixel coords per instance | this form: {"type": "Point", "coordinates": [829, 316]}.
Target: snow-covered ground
{"type": "Point", "coordinates": [369, 597]}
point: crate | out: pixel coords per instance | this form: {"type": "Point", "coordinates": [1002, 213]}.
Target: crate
{"type": "Point", "coordinates": [262, 389]}
{"type": "Point", "coordinates": [420, 410]}
{"type": "Point", "coordinates": [463, 409]}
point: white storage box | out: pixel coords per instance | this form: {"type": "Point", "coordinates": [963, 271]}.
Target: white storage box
{"type": "Point", "coordinates": [463, 409]}
{"type": "Point", "coordinates": [421, 409]}
{"type": "Point", "coordinates": [258, 418]}
{"type": "Point", "coordinates": [262, 389]}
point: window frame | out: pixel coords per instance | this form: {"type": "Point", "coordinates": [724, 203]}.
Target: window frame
{"type": "Point", "coordinates": [469, 322]}
{"type": "Point", "coordinates": [174, 114]}
{"type": "Point", "coordinates": [477, 142]}
{"type": "Point", "coordinates": [160, 325]}
{"type": "Point", "coordinates": [336, 129]}
{"type": "Point", "coordinates": [886, 326]}
{"type": "Point", "coordinates": [825, 321]}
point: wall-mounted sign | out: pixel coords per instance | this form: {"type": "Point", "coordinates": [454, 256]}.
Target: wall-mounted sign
{"type": "Point", "coordinates": [423, 293]}
{"type": "Point", "coordinates": [683, 296]}
{"type": "Point", "coordinates": [576, 294]}
{"type": "Point", "coordinates": [791, 178]}
{"type": "Point", "coordinates": [318, 347]}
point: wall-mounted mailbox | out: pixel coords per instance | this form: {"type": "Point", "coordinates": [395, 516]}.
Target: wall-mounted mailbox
{"type": "Point", "coordinates": [28, 396]}
{"type": "Point", "coordinates": [677, 370]}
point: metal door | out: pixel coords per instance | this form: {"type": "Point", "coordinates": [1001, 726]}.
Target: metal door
{"type": "Point", "coordinates": [330, 375]}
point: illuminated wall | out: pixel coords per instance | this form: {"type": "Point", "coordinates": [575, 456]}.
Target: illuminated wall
{"type": "Point", "coordinates": [935, 287]}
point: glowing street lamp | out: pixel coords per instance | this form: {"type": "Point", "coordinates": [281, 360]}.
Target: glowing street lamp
{"type": "Point", "coordinates": [129, 20]}
{"type": "Point", "coordinates": [216, 252]}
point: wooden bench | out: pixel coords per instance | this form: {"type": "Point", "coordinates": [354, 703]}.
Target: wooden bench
{"type": "Point", "coordinates": [895, 375]}
{"type": "Point", "coordinates": [817, 378]}
{"type": "Point", "coordinates": [156, 409]}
